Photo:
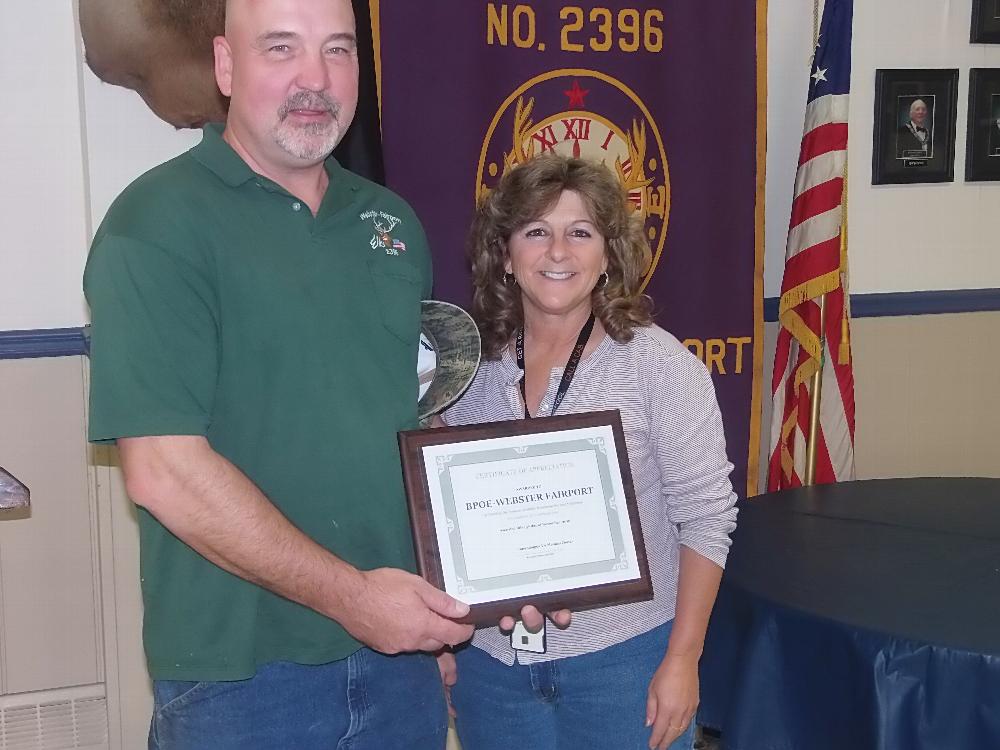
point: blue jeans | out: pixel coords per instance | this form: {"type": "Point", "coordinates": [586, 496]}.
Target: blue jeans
{"type": "Point", "coordinates": [596, 701]}
{"type": "Point", "coordinates": [367, 701]}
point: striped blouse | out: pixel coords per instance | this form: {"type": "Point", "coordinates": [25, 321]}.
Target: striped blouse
{"type": "Point", "coordinates": [677, 453]}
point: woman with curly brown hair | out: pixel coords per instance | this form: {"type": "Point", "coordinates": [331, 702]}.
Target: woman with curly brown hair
{"type": "Point", "coordinates": [558, 260]}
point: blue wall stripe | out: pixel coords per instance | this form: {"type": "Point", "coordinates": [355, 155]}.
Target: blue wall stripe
{"type": "Point", "coordinates": [770, 309]}
{"type": "Point", "coordinates": [46, 342]}
{"type": "Point", "coordinates": [67, 342]}
{"type": "Point", "coordinates": [925, 303]}
{"type": "Point", "coordinates": [891, 304]}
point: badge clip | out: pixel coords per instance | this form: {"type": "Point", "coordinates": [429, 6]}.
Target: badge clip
{"type": "Point", "coordinates": [521, 639]}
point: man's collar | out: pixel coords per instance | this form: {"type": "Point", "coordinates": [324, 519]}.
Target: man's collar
{"type": "Point", "coordinates": [218, 156]}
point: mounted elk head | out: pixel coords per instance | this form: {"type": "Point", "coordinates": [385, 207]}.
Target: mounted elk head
{"type": "Point", "coordinates": [161, 49]}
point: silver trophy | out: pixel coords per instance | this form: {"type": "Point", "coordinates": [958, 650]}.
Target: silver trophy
{"type": "Point", "coordinates": [13, 493]}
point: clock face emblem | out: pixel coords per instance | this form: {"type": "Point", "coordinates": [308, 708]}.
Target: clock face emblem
{"type": "Point", "coordinates": [590, 115]}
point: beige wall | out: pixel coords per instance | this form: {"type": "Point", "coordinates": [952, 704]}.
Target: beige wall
{"type": "Point", "coordinates": [927, 395]}
{"type": "Point", "coordinates": [41, 423]}
{"type": "Point", "coordinates": [52, 648]}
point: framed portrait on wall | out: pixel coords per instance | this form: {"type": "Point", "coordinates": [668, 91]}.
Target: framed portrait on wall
{"type": "Point", "coordinates": [985, 22]}
{"type": "Point", "coordinates": [914, 127]}
{"type": "Point", "coordinates": [982, 145]}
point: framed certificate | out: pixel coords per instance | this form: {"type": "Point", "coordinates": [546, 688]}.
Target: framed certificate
{"type": "Point", "coordinates": [538, 511]}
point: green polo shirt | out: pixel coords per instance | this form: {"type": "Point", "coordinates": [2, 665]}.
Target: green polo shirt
{"type": "Point", "coordinates": [222, 307]}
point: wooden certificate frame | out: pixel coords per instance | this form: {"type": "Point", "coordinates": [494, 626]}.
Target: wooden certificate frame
{"type": "Point", "coordinates": [538, 511]}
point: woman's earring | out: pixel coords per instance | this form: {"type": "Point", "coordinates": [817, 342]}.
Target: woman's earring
{"type": "Point", "coordinates": [509, 280]}
{"type": "Point", "coordinates": [604, 283]}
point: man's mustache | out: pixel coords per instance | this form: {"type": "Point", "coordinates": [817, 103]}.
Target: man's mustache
{"type": "Point", "coordinates": [319, 102]}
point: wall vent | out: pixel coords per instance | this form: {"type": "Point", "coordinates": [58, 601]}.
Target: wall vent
{"type": "Point", "coordinates": [64, 719]}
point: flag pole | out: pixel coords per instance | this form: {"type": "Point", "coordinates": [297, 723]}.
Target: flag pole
{"type": "Point", "coordinates": [815, 397]}
{"type": "Point", "coordinates": [816, 391]}
{"type": "Point", "coordinates": [816, 388]}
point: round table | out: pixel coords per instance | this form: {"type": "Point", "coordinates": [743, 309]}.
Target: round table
{"type": "Point", "coordinates": [860, 615]}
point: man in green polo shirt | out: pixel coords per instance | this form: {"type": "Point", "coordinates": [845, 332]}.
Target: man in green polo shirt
{"type": "Point", "coordinates": [255, 322]}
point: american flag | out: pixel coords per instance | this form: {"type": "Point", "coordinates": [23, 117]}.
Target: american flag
{"type": "Point", "coordinates": [816, 265]}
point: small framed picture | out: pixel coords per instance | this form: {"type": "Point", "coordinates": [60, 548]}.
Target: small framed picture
{"type": "Point", "coordinates": [915, 112]}
{"type": "Point", "coordinates": [985, 22]}
{"type": "Point", "coordinates": [982, 146]}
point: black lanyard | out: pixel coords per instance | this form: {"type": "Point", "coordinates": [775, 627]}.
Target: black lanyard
{"type": "Point", "coordinates": [568, 373]}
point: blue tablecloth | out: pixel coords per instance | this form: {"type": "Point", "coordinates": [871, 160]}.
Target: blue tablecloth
{"type": "Point", "coordinates": [864, 615]}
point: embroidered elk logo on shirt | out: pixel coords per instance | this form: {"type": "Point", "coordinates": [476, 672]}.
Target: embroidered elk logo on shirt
{"type": "Point", "coordinates": [382, 237]}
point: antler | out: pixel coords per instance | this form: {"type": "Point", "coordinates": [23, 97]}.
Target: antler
{"type": "Point", "coordinates": [635, 178]}
{"type": "Point", "coordinates": [522, 129]}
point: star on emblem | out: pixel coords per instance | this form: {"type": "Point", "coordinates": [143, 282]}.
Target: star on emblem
{"type": "Point", "coordinates": [575, 94]}
{"type": "Point", "coordinates": [819, 75]}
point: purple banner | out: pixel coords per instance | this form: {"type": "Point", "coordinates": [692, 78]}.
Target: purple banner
{"type": "Point", "coordinates": [665, 93]}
